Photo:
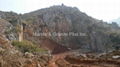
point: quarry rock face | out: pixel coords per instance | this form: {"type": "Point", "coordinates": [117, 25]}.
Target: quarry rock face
{"type": "Point", "coordinates": [63, 19]}
{"type": "Point", "coordinates": [75, 29]}
{"type": "Point", "coordinates": [81, 48]}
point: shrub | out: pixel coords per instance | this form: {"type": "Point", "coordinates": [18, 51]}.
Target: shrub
{"type": "Point", "coordinates": [27, 46]}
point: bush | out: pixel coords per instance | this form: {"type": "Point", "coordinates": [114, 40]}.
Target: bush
{"type": "Point", "coordinates": [27, 46]}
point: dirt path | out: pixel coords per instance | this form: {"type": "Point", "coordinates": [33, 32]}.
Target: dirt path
{"type": "Point", "coordinates": [56, 57]}
{"type": "Point", "coordinates": [92, 62]}
{"type": "Point", "coordinates": [63, 60]}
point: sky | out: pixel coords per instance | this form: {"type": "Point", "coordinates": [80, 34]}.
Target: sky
{"type": "Point", "coordinates": [105, 10]}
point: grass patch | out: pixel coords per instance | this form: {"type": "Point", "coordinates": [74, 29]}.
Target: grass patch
{"type": "Point", "coordinates": [27, 46]}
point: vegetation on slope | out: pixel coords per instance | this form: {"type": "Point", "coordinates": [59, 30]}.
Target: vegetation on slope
{"type": "Point", "coordinates": [27, 46]}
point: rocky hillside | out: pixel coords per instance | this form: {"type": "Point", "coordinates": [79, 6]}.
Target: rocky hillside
{"type": "Point", "coordinates": [76, 29]}
{"type": "Point", "coordinates": [79, 43]}
{"type": "Point", "coordinates": [11, 56]}
{"type": "Point", "coordinates": [64, 19]}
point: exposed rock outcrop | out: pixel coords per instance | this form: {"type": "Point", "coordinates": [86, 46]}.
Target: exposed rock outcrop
{"type": "Point", "coordinates": [64, 19]}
